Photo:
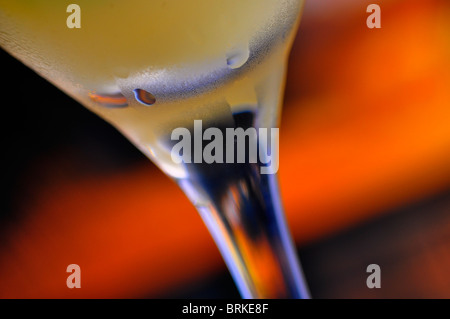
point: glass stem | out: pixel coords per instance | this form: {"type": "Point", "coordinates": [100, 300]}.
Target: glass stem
{"type": "Point", "coordinates": [246, 220]}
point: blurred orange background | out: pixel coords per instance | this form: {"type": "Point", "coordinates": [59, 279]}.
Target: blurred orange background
{"type": "Point", "coordinates": [365, 132]}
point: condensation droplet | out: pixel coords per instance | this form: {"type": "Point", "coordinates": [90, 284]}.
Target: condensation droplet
{"type": "Point", "coordinates": [144, 97]}
{"type": "Point", "coordinates": [114, 100]}
{"type": "Point", "coordinates": [238, 56]}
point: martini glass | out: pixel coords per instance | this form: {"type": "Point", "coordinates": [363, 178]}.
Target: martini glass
{"type": "Point", "coordinates": [149, 67]}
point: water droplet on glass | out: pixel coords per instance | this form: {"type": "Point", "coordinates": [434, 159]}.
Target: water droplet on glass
{"type": "Point", "coordinates": [237, 57]}
{"type": "Point", "coordinates": [114, 100]}
{"type": "Point", "coordinates": [144, 97]}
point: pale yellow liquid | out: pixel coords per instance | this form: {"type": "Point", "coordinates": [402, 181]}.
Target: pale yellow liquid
{"type": "Point", "coordinates": [121, 36]}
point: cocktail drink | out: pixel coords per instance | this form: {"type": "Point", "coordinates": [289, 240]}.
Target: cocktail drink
{"type": "Point", "coordinates": [170, 71]}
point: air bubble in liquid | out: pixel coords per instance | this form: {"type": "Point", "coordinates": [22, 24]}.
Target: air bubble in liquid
{"type": "Point", "coordinates": [144, 97]}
